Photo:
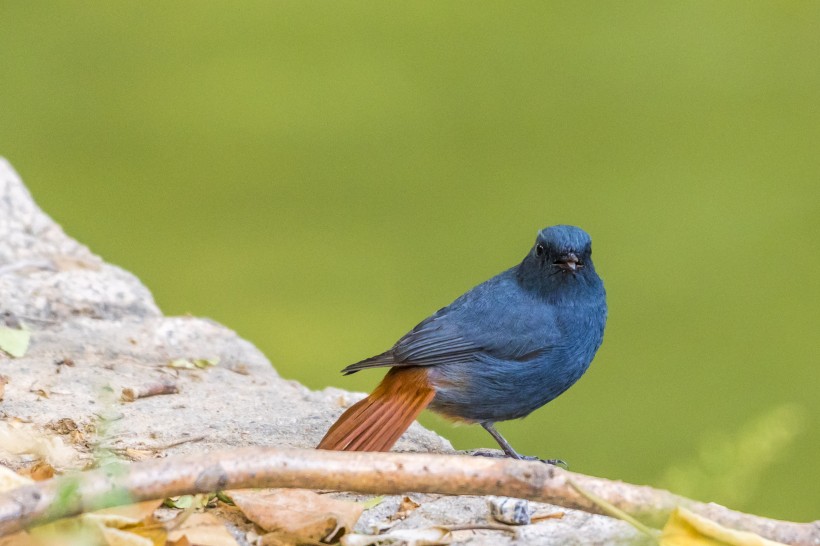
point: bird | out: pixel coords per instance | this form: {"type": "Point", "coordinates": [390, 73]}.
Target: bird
{"type": "Point", "coordinates": [498, 352]}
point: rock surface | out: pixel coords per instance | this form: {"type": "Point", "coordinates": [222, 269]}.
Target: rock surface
{"type": "Point", "coordinates": [95, 331]}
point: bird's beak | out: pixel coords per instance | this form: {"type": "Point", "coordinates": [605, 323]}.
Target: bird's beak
{"type": "Point", "coordinates": [568, 262]}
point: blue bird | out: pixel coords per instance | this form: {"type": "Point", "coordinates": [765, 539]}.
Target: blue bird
{"type": "Point", "coordinates": [498, 352]}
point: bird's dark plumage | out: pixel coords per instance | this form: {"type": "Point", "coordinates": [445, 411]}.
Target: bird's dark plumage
{"type": "Point", "coordinates": [504, 348]}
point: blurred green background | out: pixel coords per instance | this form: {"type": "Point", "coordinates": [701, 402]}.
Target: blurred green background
{"type": "Point", "coordinates": [321, 176]}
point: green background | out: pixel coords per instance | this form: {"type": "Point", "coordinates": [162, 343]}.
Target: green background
{"type": "Point", "coordinates": [321, 176]}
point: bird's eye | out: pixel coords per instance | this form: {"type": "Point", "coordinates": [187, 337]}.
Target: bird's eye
{"type": "Point", "coordinates": [539, 249]}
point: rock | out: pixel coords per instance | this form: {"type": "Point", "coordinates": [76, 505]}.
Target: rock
{"type": "Point", "coordinates": [103, 322]}
{"type": "Point", "coordinates": [96, 330]}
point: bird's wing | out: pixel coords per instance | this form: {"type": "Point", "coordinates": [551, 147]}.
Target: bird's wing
{"type": "Point", "coordinates": [495, 319]}
{"type": "Point", "coordinates": [436, 340]}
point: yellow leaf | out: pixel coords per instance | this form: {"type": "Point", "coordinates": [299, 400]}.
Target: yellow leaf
{"type": "Point", "coordinates": [118, 537]}
{"type": "Point", "coordinates": [14, 342]}
{"type": "Point", "coordinates": [685, 528]}
{"type": "Point", "coordinates": [372, 503]}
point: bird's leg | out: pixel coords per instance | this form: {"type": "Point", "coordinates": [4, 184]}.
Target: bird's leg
{"type": "Point", "coordinates": [513, 454]}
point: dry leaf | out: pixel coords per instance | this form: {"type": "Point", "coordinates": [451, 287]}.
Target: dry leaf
{"type": "Point", "coordinates": [685, 528]}
{"type": "Point", "coordinates": [123, 516]}
{"type": "Point", "coordinates": [298, 512]}
{"type": "Point", "coordinates": [3, 381]}
{"type": "Point", "coordinates": [203, 530]}
{"type": "Point", "coordinates": [39, 471]}
{"type": "Point", "coordinates": [130, 525]}
{"type": "Point", "coordinates": [72, 531]}
{"type": "Point", "coordinates": [9, 479]}
{"type": "Point", "coordinates": [280, 539]}
{"type": "Point", "coordinates": [407, 505]}
{"type": "Point", "coordinates": [62, 426]}
{"type": "Point", "coordinates": [18, 539]}
{"type": "Point", "coordinates": [155, 532]}
{"type": "Point", "coordinates": [118, 537]}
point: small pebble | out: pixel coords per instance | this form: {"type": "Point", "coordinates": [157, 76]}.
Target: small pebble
{"type": "Point", "coordinates": [510, 511]}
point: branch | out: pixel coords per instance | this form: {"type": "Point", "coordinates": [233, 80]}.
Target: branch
{"type": "Point", "coordinates": [382, 473]}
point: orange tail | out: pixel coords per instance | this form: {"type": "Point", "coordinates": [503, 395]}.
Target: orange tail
{"type": "Point", "coordinates": [377, 422]}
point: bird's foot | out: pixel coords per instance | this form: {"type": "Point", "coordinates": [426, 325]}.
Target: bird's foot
{"type": "Point", "coordinates": [497, 454]}
{"type": "Point", "coordinates": [553, 462]}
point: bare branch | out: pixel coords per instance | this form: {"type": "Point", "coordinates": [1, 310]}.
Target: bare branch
{"type": "Point", "coordinates": [384, 473]}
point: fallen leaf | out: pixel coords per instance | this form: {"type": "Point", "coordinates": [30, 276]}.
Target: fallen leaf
{"type": "Point", "coordinates": [224, 498]}
{"type": "Point", "coordinates": [686, 528]}
{"type": "Point", "coordinates": [14, 342]}
{"type": "Point", "coordinates": [205, 362]}
{"type": "Point", "coordinates": [68, 532]}
{"type": "Point", "coordinates": [118, 537]}
{"type": "Point", "coordinates": [406, 506]}
{"type": "Point", "coordinates": [372, 503]}
{"type": "Point", "coordinates": [130, 525]}
{"type": "Point", "coordinates": [203, 530]}
{"type": "Point", "coordinates": [39, 391]}
{"type": "Point", "coordinates": [187, 501]}
{"type": "Point", "coordinates": [182, 363]}
{"type": "Point", "coordinates": [39, 471]}
{"type": "Point", "coordinates": [9, 479]}
{"type": "Point", "coordinates": [18, 539]}
{"type": "Point", "coordinates": [155, 532]}
{"type": "Point", "coordinates": [18, 438]}
{"type": "Point", "coordinates": [193, 363]}
{"type": "Point", "coordinates": [62, 426]}
{"type": "Point", "coordinates": [184, 501]}
{"type": "Point", "coordinates": [279, 539]}
{"type": "Point", "coordinates": [123, 516]}
{"type": "Point", "coordinates": [298, 512]}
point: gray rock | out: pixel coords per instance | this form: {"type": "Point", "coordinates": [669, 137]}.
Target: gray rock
{"type": "Point", "coordinates": [95, 330]}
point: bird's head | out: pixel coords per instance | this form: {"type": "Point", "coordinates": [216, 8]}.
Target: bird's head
{"type": "Point", "coordinates": [561, 256]}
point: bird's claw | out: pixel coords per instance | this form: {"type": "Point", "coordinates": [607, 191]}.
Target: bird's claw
{"type": "Point", "coordinates": [554, 462]}
{"type": "Point", "coordinates": [496, 454]}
